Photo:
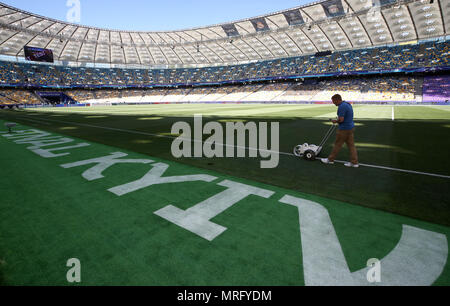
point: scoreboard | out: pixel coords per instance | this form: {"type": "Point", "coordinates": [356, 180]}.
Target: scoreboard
{"type": "Point", "coordinates": [38, 54]}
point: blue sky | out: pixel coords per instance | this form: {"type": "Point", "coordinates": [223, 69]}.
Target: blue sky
{"type": "Point", "coordinates": [151, 15]}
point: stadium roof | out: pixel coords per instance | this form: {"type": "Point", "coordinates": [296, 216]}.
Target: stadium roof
{"type": "Point", "coordinates": [320, 26]}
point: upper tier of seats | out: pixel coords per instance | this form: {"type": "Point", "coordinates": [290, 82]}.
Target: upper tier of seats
{"type": "Point", "coordinates": [430, 54]}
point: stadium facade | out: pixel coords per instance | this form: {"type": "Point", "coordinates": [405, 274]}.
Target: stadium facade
{"type": "Point", "coordinates": [331, 25]}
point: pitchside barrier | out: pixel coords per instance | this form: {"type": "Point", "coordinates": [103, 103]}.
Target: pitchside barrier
{"type": "Point", "coordinates": [276, 102]}
{"type": "Point", "coordinates": [51, 106]}
{"type": "Point", "coordinates": [398, 103]}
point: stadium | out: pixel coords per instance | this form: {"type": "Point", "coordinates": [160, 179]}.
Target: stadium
{"type": "Point", "coordinates": [89, 177]}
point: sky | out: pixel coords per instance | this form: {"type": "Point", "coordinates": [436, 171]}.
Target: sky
{"type": "Point", "coordinates": [155, 15]}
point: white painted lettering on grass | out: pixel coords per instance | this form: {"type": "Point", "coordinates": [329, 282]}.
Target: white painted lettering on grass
{"type": "Point", "coordinates": [48, 153]}
{"type": "Point", "coordinates": [154, 177]}
{"type": "Point", "coordinates": [104, 163]}
{"type": "Point", "coordinates": [39, 139]}
{"type": "Point", "coordinates": [214, 146]}
{"type": "Point", "coordinates": [27, 134]}
{"type": "Point", "coordinates": [197, 219]}
{"type": "Point", "coordinates": [46, 142]}
{"type": "Point", "coordinates": [417, 260]}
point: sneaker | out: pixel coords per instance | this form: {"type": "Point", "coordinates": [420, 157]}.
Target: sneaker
{"type": "Point", "coordinates": [350, 165]}
{"type": "Point", "coordinates": [327, 161]}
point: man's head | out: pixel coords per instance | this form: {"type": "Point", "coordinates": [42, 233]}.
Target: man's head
{"type": "Point", "coordinates": [337, 100]}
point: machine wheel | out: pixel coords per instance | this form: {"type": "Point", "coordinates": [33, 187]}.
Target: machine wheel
{"type": "Point", "coordinates": [310, 155]}
{"type": "Point", "coordinates": [297, 151]}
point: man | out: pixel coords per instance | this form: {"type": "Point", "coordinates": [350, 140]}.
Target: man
{"type": "Point", "coordinates": [345, 133]}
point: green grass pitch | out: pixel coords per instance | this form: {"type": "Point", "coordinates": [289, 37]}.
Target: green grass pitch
{"type": "Point", "coordinates": [51, 214]}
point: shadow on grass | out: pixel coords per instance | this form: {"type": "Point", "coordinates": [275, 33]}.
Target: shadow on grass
{"type": "Point", "coordinates": [404, 144]}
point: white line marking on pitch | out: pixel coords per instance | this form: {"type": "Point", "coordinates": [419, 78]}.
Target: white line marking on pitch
{"type": "Point", "coordinates": [398, 170]}
{"type": "Point", "coordinates": [281, 153]}
{"type": "Point", "coordinates": [37, 121]}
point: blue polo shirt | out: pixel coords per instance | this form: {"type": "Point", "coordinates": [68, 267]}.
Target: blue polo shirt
{"type": "Point", "coordinates": [346, 110]}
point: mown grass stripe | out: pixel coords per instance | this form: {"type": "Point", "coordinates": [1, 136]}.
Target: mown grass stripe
{"type": "Point", "coordinates": [121, 242]}
{"type": "Point", "coordinates": [235, 146]}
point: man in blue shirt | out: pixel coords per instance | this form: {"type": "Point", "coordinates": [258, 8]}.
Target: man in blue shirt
{"type": "Point", "coordinates": [345, 134]}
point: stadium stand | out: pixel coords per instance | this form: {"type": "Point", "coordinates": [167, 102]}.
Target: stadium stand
{"type": "Point", "coordinates": [12, 96]}
{"type": "Point", "coordinates": [358, 60]}
{"type": "Point", "coordinates": [399, 57]}
{"type": "Point", "coordinates": [436, 89]}
{"type": "Point", "coordinates": [355, 89]}
{"type": "Point", "coordinates": [82, 95]}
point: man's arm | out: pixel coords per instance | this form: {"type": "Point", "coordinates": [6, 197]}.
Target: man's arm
{"type": "Point", "coordinates": [340, 120]}
{"type": "Point", "coordinates": [342, 112]}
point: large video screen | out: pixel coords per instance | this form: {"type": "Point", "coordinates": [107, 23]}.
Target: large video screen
{"type": "Point", "coordinates": [38, 54]}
